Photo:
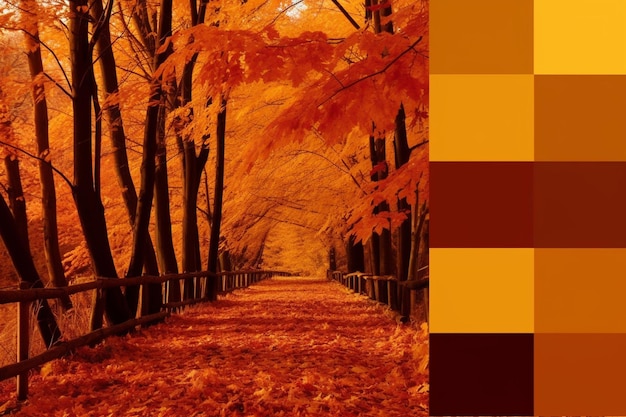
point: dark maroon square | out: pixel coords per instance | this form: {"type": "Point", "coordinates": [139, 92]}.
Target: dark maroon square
{"type": "Point", "coordinates": [481, 375]}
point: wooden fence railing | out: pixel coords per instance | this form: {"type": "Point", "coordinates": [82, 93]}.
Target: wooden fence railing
{"type": "Point", "coordinates": [408, 298]}
{"type": "Point", "coordinates": [24, 296]}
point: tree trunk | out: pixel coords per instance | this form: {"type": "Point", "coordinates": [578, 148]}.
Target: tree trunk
{"type": "Point", "coordinates": [192, 169]}
{"type": "Point", "coordinates": [424, 259]}
{"type": "Point", "coordinates": [381, 242]}
{"type": "Point", "coordinates": [116, 129]}
{"type": "Point", "coordinates": [88, 204]}
{"type": "Point", "coordinates": [165, 247]}
{"type": "Point", "coordinates": [332, 261]}
{"type": "Point", "coordinates": [165, 242]}
{"type": "Point", "coordinates": [51, 247]}
{"type": "Point", "coordinates": [225, 264]}
{"type": "Point", "coordinates": [17, 203]}
{"type": "Point", "coordinates": [190, 219]}
{"type": "Point", "coordinates": [402, 154]}
{"type": "Point", "coordinates": [23, 262]}
{"type": "Point", "coordinates": [118, 138]}
{"type": "Point", "coordinates": [146, 192]}
{"type": "Point", "coordinates": [382, 246]}
{"type": "Point", "coordinates": [354, 255]}
{"type": "Point", "coordinates": [193, 166]}
{"type": "Point", "coordinates": [418, 218]}
{"type": "Point", "coordinates": [258, 256]}
{"type": "Point", "coordinates": [217, 199]}
{"type": "Point", "coordinates": [148, 164]}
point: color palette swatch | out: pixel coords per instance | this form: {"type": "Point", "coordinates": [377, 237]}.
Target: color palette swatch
{"type": "Point", "coordinates": [528, 207]}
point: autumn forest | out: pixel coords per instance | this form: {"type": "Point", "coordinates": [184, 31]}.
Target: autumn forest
{"type": "Point", "coordinates": [152, 137]}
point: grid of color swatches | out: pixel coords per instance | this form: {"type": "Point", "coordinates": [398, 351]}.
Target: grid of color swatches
{"type": "Point", "coordinates": [528, 207]}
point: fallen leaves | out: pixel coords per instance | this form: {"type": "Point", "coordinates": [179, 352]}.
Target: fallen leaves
{"type": "Point", "coordinates": [283, 347]}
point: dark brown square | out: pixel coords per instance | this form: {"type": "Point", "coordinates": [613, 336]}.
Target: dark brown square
{"type": "Point", "coordinates": [481, 374]}
{"type": "Point", "coordinates": [580, 205]}
{"type": "Point", "coordinates": [481, 204]}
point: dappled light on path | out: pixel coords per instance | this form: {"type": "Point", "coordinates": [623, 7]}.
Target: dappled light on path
{"type": "Point", "coordinates": [284, 347]}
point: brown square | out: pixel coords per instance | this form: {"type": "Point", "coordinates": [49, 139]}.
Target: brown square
{"type": "Point", "coordinates": [481, 204]}
{"type": "Point", "coordinates": [580, 118]}
{"type": "Point", "coordinates": [580, 205]}
{"type": "Point", "coordinates": [481, 37]}
{"type": "Point", "coordinates": [580, 374]}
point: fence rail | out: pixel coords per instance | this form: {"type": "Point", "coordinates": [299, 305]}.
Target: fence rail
{"type": "Point", "coordinates": [408, 298]}
{"type": "Point", "coordinates": [229, 280]}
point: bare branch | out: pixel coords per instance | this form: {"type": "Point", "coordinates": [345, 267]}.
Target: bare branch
{"type": "Point", "coordinates": [346, 14]}
{"type": "Point", "coordinates": [412, 148]}
{"type": "Point", "coordinates": [25, 152]}
{"type": "Point", "coordinates": [381, 71]}
{"type": "Point", "coordinates": [58, 61]}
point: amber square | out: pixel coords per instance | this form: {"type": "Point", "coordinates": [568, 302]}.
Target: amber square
{"type": "Point", "coordinates": [481, 374]}
{"type": "Point", "coordinates": [481, 37]}
{"type": "Point", "coordinates": [580, 36]}
{"type": "Point", "coordinates": [478, 290]}
{"type": "Point", "coordinates": [481, 204]}
{"type": "Point", "coordinates": [580, 204]}
{"type": "Point", "coordinates": [580, 374]}
{"type": "Point", "coordinates": [580, 117]}
{"type": "Point", "coordinates": [580, 290]}
{"type": "Point", "coordinates": [481, 117]}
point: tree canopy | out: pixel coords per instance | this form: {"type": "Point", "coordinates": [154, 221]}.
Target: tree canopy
{"type": "Point", "coordinates": [300, 85]}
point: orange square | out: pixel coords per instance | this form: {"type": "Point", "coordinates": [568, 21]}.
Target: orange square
{"type": "Point", "coordinates": [481, 37]}
{"type": "Point", "coordinates": [580, 290]}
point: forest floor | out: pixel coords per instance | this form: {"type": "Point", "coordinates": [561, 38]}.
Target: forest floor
{"type": "Point", "coordinates": [282, 347]}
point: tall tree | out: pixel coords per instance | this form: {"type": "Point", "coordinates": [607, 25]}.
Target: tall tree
{"type": "Point", "coordinates": [381, 242]}
{"type": "Point", "coordinates": [88, 201]}
{"type": "Point", "coordinates": [193, 163]}
{"type": "Point", "coordinates": [23, 262]}
{"type": "Point", "coordinates": [145, 27]}
{"type": "Point", "coordinates": [381, 250]}
{"type": "Point", "coordinates": [402, 154]}
{"type": "Point", "coordinates": [148, 164]}
{"type": "Point", "coordinates": [106, 59]}
{"type": "Point", "coordinates": [17, 202]}
{"type": "Point", "coordinates": [217, 199]}
{"type": "Point", "coordinates": [14, 233]}
{"type": "Point", "coordinates": [52, 251]}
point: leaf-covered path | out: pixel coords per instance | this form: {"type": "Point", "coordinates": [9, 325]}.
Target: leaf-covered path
{"type": "Point", "coordinates": [283, 347]}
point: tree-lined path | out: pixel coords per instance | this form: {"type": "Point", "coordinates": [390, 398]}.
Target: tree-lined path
{"type": "Point", "coordinates": [289, 346]}
{"type": "Point", "coordinates": [142, 139]}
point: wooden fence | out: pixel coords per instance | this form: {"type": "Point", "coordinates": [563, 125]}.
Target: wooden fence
{"type": "Point", "coordinates": [24, 296]}
{"type": "Point", "coordinates": [408, 298]}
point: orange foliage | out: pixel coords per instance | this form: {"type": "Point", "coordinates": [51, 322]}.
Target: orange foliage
{"type": "Point", "coordinates": [305, 89]}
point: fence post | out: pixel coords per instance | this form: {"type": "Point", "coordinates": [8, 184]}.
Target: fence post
{"type": "Point", "coordinates": [97, 309]}
{"type": "Point", "coordinates": [23, 342]}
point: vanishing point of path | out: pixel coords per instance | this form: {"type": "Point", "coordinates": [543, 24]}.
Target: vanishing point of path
{"type": "Point", "coordinates": [283, 347]}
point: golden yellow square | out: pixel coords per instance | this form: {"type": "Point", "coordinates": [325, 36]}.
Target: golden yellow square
{"type": "Point", "coordinates": [580, 37]}
{"type": "Point", "coordinates": [476, 290]}
{"type": "Point", "coordinates": [481, 117]}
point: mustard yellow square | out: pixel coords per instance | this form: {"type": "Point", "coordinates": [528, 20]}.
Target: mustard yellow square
{"type": "Point", "coordinates": [580, 37]}
{"type": "Point", "coordinates": [481, 117]}
{"type": "Point", "coordinates": [481, 290]}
